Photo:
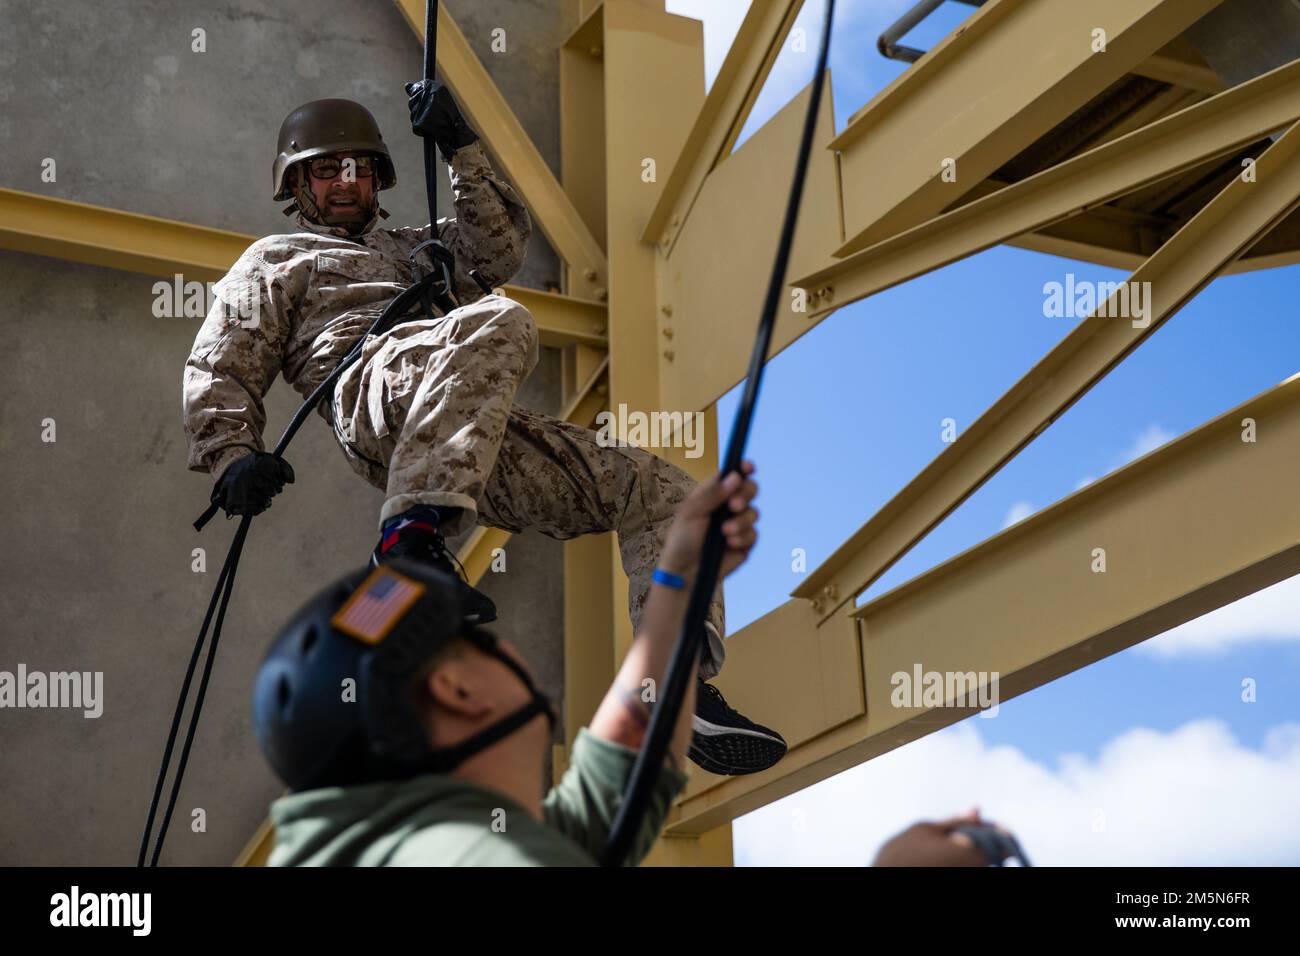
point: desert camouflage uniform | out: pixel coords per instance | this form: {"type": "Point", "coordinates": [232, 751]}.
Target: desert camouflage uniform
{"type": "Point", "coordinates": [427, 414]}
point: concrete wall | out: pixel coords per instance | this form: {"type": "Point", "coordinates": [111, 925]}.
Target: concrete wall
{"type": "Point", "coordinates": [95, 536]}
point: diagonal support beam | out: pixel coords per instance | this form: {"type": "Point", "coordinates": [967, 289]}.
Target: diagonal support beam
{"type": "Point", "coordinates": [1215, 237]}
{"type": "Point", "coordinates": [492, 117]}
{"type": "Point", "coordinates": [735, 89]}
{"type": "Point", "coordinates": [1195, 525]}
{"type": "Point", "coordinates": [985, 93]}
{"type": "Point", "coordinates": [1211, 128]}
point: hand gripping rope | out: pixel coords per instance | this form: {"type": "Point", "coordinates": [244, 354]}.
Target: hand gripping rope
{"type": "Point", "coordinates": [996, 846]}
{"type": "Point", "coordinates": [645, 771]}
{"type": "Point", "coordinates": [428, 287]}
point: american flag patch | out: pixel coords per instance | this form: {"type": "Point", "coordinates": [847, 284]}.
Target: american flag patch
{"type": "Point", "coordinates": [377, 605]}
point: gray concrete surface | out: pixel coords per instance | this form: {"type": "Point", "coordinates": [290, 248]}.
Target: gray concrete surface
{"type": "Point", "coordinates": [95, 536]}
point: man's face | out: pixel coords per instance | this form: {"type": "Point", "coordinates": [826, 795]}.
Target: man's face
{"type": "Point", "coordinates": [345, 195]}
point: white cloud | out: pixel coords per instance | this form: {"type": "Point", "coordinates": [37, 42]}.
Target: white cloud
{"type": "Point", "coordinates": [1152, 437]}
{"type": "Point", "coordinates": [1272, 614]}
{"type": "Point", "coordinates": [1194, 796]}
{"type": "Point", "coordinates": [1017, 513]}
{"type": "Point", "coordinates": [1148, 440]}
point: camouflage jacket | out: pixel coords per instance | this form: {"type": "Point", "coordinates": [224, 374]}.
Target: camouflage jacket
{"type": "Point", "coordinates": [295, 303]}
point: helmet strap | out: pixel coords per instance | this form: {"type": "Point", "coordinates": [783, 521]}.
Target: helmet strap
{"type": "Point", "coordinates": [446, 759]}
{"type": "Point", "coordinates": [419, 758]}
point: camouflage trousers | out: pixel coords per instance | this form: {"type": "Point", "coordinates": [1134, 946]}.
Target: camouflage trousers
{"type": "Point", "coordinates": [428, 416]}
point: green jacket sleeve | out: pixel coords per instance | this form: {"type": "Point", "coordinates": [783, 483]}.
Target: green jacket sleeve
{"type": "Point", "coordinates": [582, 806]}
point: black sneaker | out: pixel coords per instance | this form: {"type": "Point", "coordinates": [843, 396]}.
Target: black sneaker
{"type": "Point", "coordinates": [419, 541]}
{"type": "Point", "coordinates": [725, 742]}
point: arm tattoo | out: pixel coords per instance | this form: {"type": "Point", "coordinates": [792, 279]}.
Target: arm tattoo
{"type": "Point", "coordinates": [636, 708]}
{"type": "Point", "coordinates": [633, 718]}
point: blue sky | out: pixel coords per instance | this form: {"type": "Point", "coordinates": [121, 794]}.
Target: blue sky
{"type": "Point", "coordinates": [1149, 756]}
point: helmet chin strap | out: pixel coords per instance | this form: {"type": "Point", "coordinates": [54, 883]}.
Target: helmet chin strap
{"type": "Point", "coordinates": [446, 759]}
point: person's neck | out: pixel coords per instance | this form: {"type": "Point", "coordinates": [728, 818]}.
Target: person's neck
{"type": "Point", "coordinates": [510, 770]}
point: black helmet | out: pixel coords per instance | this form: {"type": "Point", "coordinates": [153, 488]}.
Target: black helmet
{"type": "Point", "coordinates": [374, 628]}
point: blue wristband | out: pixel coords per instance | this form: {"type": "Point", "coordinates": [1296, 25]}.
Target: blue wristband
{"type": "Point", "coordinates": [669, 580]}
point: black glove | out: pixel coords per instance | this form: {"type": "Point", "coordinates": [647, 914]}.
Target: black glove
{"type": "Point", "coordinates": [434, 114]}
{"type": "Point", "coordinates": [247, 486]}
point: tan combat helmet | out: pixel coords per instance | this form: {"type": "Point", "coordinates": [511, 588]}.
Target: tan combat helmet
{"type": "Point", "coordinates": [320, 128]}
{"type": "Point", "coordinates": [329, 126]}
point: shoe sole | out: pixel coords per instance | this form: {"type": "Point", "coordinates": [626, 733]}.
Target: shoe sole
{"type": "Point", "coordinates": [731, 752]}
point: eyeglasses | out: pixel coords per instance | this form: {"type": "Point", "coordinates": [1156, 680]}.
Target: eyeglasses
{"type": "Point", "coordinates": [327, 167]}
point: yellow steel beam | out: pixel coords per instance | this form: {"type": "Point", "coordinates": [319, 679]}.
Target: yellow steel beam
{"type": "Point", "coordinates": [1162, 104]}
{"type": "Point", "coordinates": [1211, 128]}
{"type": "Point", "coordinates": [259, 846]}
{"type": "Point", "coordinates": [712, 848]}
{"type": "Point", "coordinates": [582, 124]}
{"type": "Point", "coordinates": [1087, 238]}
{"type": "Point", "coordinates": [589, 607]}
{"type": "Point", "coordinates": [1180, 64]}
{"type": "Point", "coordinates": [641, 120]}
{"type": "Point", "coordinates": [987, 91]}
{"type": "Point", "coordinates": [591, 398]}
{"type": "Point", "coordinates": [1027, 604]}
{"type": "Point", "coordinates": [640, 41]}
{"type": "Point", "coordinates": [162, 247]}
{"type": "Point", "coordinates": [727, 106]}
{"type": "Point", "coordinates": [1184, 265]}
{"type": "Point", "coordinates": [501, 130]}
{"type": "Point", "coordinates": [711, 287]}
{"type": "Point", "coordinates": [576, 365]}
{"type": "Point", "coordinates": [100, 236]}
{"type": "Point", "coordinates": [563, 320]}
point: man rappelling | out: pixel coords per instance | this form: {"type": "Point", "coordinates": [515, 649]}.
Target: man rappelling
{"type": "Point", "coordinates": [427, 413]}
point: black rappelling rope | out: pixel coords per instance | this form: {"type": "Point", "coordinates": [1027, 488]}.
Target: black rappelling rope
{"type": "Point", "coordinates": [650, 759]}
{"type": "Point", "coordinates": [415, 294]}
{"type": "Point", "coordinates": [430, 70]}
